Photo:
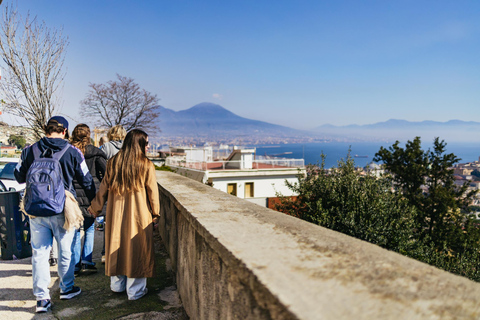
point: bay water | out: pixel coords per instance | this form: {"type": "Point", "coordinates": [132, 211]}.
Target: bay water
{"type": "Point", "coordinates": [362, 152]}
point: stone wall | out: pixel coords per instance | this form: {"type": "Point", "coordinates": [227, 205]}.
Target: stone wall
{"type": "Point", "coordinates": [237, 260]}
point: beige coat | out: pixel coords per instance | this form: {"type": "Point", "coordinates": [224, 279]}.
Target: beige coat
{"type": "Point", "coordinates": [129, 229]}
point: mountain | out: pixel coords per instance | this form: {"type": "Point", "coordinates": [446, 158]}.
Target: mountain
{"type": "Point", "coordinates": [395, 129]}
{"type": "Point", "coordinates": [212, 120]}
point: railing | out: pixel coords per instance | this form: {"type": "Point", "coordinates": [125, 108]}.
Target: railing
{"type": "Point", "coordinates": [236, 164]}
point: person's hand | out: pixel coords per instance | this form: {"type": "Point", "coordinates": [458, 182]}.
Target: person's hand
{"type": "Point", "coordinates": [89, 209]}
{"type": "Point", "coordinates": [155, 223]}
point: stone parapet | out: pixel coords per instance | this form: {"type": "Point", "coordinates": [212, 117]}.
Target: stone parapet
{"type": "Point", "coordinates": [236, 260]}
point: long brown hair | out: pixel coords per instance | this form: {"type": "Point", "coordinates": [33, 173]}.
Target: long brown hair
{"type": "Point", "coordinates": [81, 137]}
{"type": "Point", "coordinates": [126, 170]}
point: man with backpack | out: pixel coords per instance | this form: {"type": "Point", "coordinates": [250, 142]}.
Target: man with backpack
{"type": "Point", "coordinates": [48, 167]}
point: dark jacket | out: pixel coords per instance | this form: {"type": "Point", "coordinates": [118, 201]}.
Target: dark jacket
{"type": "Point", "coordinates": [96, 161]}
{"type": "Point", "coordinates": [72, 162]}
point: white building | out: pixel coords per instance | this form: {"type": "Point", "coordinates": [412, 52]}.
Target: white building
{"type": "Point", "coordinates": [241, 174]}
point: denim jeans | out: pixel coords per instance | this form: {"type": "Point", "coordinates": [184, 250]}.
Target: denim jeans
{"type": "Point", "coordinates": [43, 230]}
{"type": "Point", "coordinates": [83, 254]}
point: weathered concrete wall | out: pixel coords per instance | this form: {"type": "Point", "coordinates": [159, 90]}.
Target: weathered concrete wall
{"type": "Point", "coordinates": [237, 260]}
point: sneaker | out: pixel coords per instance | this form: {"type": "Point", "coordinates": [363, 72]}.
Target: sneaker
{"type": "Point", "coordinates": [75, 291]}
{"type": "Point", "coordinates": [52, 261]}
{"type": "Point", "coordinates": [103, 259]}
{"type": "Point", "coordinates": [88, 268]}
{"type": "Point", "coordinates": [43, 305]}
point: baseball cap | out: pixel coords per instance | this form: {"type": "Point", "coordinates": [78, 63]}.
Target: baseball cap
{"type": "Point", "coordinates": [61, 121]}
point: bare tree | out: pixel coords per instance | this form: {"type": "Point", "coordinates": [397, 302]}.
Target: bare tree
{"type": "Point", "coordinates": [120, 102]}
{"type": "Point", "coordinates": [34, 55]}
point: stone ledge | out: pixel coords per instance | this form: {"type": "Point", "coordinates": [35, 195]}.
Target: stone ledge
{"type": "Point", "coordinates": [237, 260]}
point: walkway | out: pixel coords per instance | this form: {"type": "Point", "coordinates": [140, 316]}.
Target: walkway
{"type": "Point", "coordinates": [96, 300]}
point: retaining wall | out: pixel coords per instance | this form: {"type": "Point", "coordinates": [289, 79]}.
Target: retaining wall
{"type": "Point", "coordinates": [236, 260]}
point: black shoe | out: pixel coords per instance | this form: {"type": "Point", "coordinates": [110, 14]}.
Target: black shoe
{"type": "Point", "coordinates": [77, 272]}
{"type": "Point", "coordinates": [87, 268]}
{"type": "Point", "coordinates": [43, 305]}
{"type": "Point", "coordinates": [75, 291]}
{"type": "Point", "coordinates": [52, 261]}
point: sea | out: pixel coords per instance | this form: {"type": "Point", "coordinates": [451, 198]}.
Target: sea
{"type": "Point", "coordinates": [362, 152]}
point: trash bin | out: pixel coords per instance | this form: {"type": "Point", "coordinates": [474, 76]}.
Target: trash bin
{"type": "Point", "coordinates": [14, 228]}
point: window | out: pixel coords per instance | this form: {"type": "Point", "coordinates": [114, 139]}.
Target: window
{"type": "Point", "coordinates": [249, 190]}
{"type": "Point", "coordinates": [232, 188]}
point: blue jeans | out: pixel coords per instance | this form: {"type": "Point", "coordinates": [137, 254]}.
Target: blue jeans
{"type": "Point", "coordinates": [83, 254]}
{"type": "Point", "coordinates": [43, 230]}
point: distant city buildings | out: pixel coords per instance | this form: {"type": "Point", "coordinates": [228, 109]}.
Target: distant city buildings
{"type": "Point", "coordinates": [468, 173]}
{"type": "Point", "coordinates": [6, 131]}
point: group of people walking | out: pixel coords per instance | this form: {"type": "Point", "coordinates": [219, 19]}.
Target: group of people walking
{"type": "Point", "coordinates": [119, 175]}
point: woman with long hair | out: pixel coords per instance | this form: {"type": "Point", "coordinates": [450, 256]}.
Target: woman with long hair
{"type": "Point", "coordinates": [130, 186]}
{"type": "Point", "coordinates": [97, 164]}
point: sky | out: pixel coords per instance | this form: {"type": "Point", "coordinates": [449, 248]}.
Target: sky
{"type": "Point", "coordinates": [295, 63]}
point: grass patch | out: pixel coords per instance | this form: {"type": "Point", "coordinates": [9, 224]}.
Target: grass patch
{"type": "Point", "coordinates": [164, 168]}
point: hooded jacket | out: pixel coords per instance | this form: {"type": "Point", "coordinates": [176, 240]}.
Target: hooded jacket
{"type": "Point", "coordinates": [72, 162]}
{"type": "Point", "coordinates": [111, 148]}
{"type": "Point", "coordinates": [96, 161]}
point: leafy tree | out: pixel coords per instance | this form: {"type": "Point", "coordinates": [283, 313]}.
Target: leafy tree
{"type": "Point", "coordinates": [370, 209]}
{"type": "Point", "coordinates": [439, 203]}
{"type": "Point", "coordinates": [19, 141]}
{"type": "Point", "coordinates": [33, 55]}
{"type": "Point", "coordinates": [120, 102]}
{"type": "Point", "coordinates": [360, 206]}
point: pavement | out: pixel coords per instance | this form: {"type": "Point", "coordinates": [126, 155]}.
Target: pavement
{"type": "Point", "coordinates": [96, 301]}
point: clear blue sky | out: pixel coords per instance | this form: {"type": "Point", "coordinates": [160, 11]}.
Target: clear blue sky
{"type": "Point", "coordinates": [294, 63]}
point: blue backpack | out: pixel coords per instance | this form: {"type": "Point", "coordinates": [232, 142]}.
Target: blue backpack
{"type": "Point", "coordinates": [45, 189]}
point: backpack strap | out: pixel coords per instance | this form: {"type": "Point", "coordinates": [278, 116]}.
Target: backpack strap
{"type": "Point", "coordinates": [36, 151]}
{"type": "Point", "coordinates": [60, 153]}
